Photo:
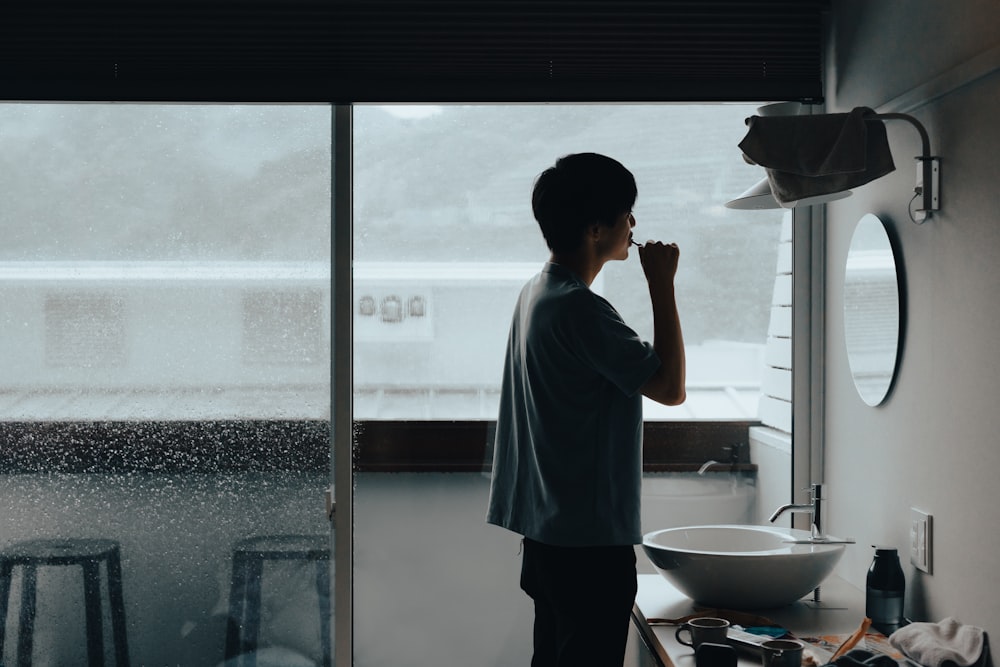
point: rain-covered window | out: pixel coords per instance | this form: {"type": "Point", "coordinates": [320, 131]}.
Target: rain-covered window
{"type": "Point", "coordinates": [165, 339]}
{"type": "Point", "coordinates": [166, 262]}
{"type": "Point", "coordinates": [164, 380]}
{"type": "Point", "coordinates": [444, 238]}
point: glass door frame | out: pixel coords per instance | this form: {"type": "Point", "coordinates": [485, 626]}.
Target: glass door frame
{"type": "Point", "coordinates": [808, 353]}
{"type": "Point", "coordinates": [342, 381]}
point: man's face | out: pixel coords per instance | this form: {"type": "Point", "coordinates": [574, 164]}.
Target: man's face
{"type": "Point", "coordinates": [618, 237]}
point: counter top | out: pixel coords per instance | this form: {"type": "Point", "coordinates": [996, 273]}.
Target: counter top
{"type": "Point", "coordinates": [839, 612]}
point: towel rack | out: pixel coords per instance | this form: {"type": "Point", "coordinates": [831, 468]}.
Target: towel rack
{"type": "Point", "coordinates": [928, 169]}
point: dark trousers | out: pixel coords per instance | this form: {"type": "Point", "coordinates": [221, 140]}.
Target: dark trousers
{"type": "Point", "coordinates": [583, 602]}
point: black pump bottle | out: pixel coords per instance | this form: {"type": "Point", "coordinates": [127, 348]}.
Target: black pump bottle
{"type": "Point", "coordinates": [885, 591]}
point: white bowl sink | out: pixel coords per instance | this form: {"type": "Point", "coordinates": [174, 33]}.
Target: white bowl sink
{"type": "Point", "coordinates": [741, 567]}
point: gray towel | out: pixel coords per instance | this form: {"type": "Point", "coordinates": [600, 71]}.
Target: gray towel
{"type": "Point", "coordinates": [808, 156]}
{"type": "Point", "coordinates": [944, 644]}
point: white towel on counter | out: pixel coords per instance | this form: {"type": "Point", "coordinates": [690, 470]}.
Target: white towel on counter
{"type": "Point", "coordinates": [944, 644]}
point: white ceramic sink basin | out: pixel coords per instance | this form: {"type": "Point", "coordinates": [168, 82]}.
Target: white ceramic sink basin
{"type": "Point", "coordinates": [740, 567]}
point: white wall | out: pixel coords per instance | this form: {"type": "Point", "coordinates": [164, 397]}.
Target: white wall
{"type": "Point", "coordinates": [771, 450]}
{"type": "Point", "coordinates": [933, 443]}
{"type": "Point", "coordinates": [436, 585]}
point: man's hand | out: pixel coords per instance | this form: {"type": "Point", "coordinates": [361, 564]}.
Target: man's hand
{"type": "Point", "coordinates": [659, 262]}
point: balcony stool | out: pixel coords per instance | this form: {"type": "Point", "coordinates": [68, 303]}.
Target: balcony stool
{"type": "Point", "coordinates": [87, 553]}
{"type": "Point", "coordinates": [245, 589]}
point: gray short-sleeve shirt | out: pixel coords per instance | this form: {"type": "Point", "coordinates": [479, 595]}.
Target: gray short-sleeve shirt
{"type": "Point", "coordinates": [567, 463]}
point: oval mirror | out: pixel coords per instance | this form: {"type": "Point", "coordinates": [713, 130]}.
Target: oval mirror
{"type": "Point", "coordinates": [871, 310]}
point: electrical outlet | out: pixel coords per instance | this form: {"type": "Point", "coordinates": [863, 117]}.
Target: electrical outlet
{"type": "Point", "coordinates": [921, 524]}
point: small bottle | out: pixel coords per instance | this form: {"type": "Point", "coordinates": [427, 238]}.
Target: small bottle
{"type": "Point", "coordinates": [884, 595]}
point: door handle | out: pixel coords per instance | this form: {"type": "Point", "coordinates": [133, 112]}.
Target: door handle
{"type": "Point", "coordinates": [331, 506]}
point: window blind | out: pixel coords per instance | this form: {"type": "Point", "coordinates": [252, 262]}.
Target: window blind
{"type": "Point", "coordinates": [409, 51]}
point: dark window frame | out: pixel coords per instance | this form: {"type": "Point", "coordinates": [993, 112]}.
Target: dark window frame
{"type": "Point", "coordinates": [221, 446]}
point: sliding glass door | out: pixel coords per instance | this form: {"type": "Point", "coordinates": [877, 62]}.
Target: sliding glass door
{"type": "Point", "coordinates": [443, 240]}
{"type": "Point", "coordinates": [165, 380]}
{"type": "Point", "coordinates": [213, 314]}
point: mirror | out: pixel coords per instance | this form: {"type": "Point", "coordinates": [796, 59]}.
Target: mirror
{"type": "Point", "coordinates": [871, 310]}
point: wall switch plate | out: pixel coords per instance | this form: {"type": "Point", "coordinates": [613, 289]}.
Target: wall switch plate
{"type": "Point", "coordinates": [921, 525]}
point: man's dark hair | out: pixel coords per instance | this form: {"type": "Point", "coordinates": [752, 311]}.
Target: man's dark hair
{"type": "Point", "coordinates": [578, 191]}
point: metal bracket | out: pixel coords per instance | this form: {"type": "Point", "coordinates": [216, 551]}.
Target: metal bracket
{"type": "Point", "coordinates": [928, 186]}
{"type": "Point", "coordinates": [929, 174]}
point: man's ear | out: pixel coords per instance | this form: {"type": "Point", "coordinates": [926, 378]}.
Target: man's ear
{"type": "Point", "coordinates": [595, 231]}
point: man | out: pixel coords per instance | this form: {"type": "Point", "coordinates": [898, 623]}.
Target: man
{"type": "Point", "coordinates": [567, 467]}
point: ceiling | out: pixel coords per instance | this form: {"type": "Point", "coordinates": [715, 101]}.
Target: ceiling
{"type": "Point", "coordinates": [410, 51]}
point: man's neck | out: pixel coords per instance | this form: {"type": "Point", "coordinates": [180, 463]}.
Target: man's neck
{"type": "Point", "coordinates": [581, 262]}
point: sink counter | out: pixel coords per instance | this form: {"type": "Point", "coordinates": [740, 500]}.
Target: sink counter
{"type": "Point", "coordinates": [841, 611]}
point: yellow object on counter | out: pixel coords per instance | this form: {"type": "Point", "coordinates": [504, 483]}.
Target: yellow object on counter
{"type": "Point", "coordinates": [853, 640]}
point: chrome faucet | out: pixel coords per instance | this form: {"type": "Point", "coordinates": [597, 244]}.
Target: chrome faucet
{"type": "Point", "coordinates": [814, 508]}
{"type": "Point", "coordinates": [734, 459]}
{"type": "Point", "coordinates": [816, 525]}
{"type": "Point", "coordinates": [708, 464]}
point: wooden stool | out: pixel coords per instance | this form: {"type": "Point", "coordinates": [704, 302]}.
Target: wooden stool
{"type": "Point", "coordinates": [87, 553]}
{"type": "Point", "coordinates": [245, 591]}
